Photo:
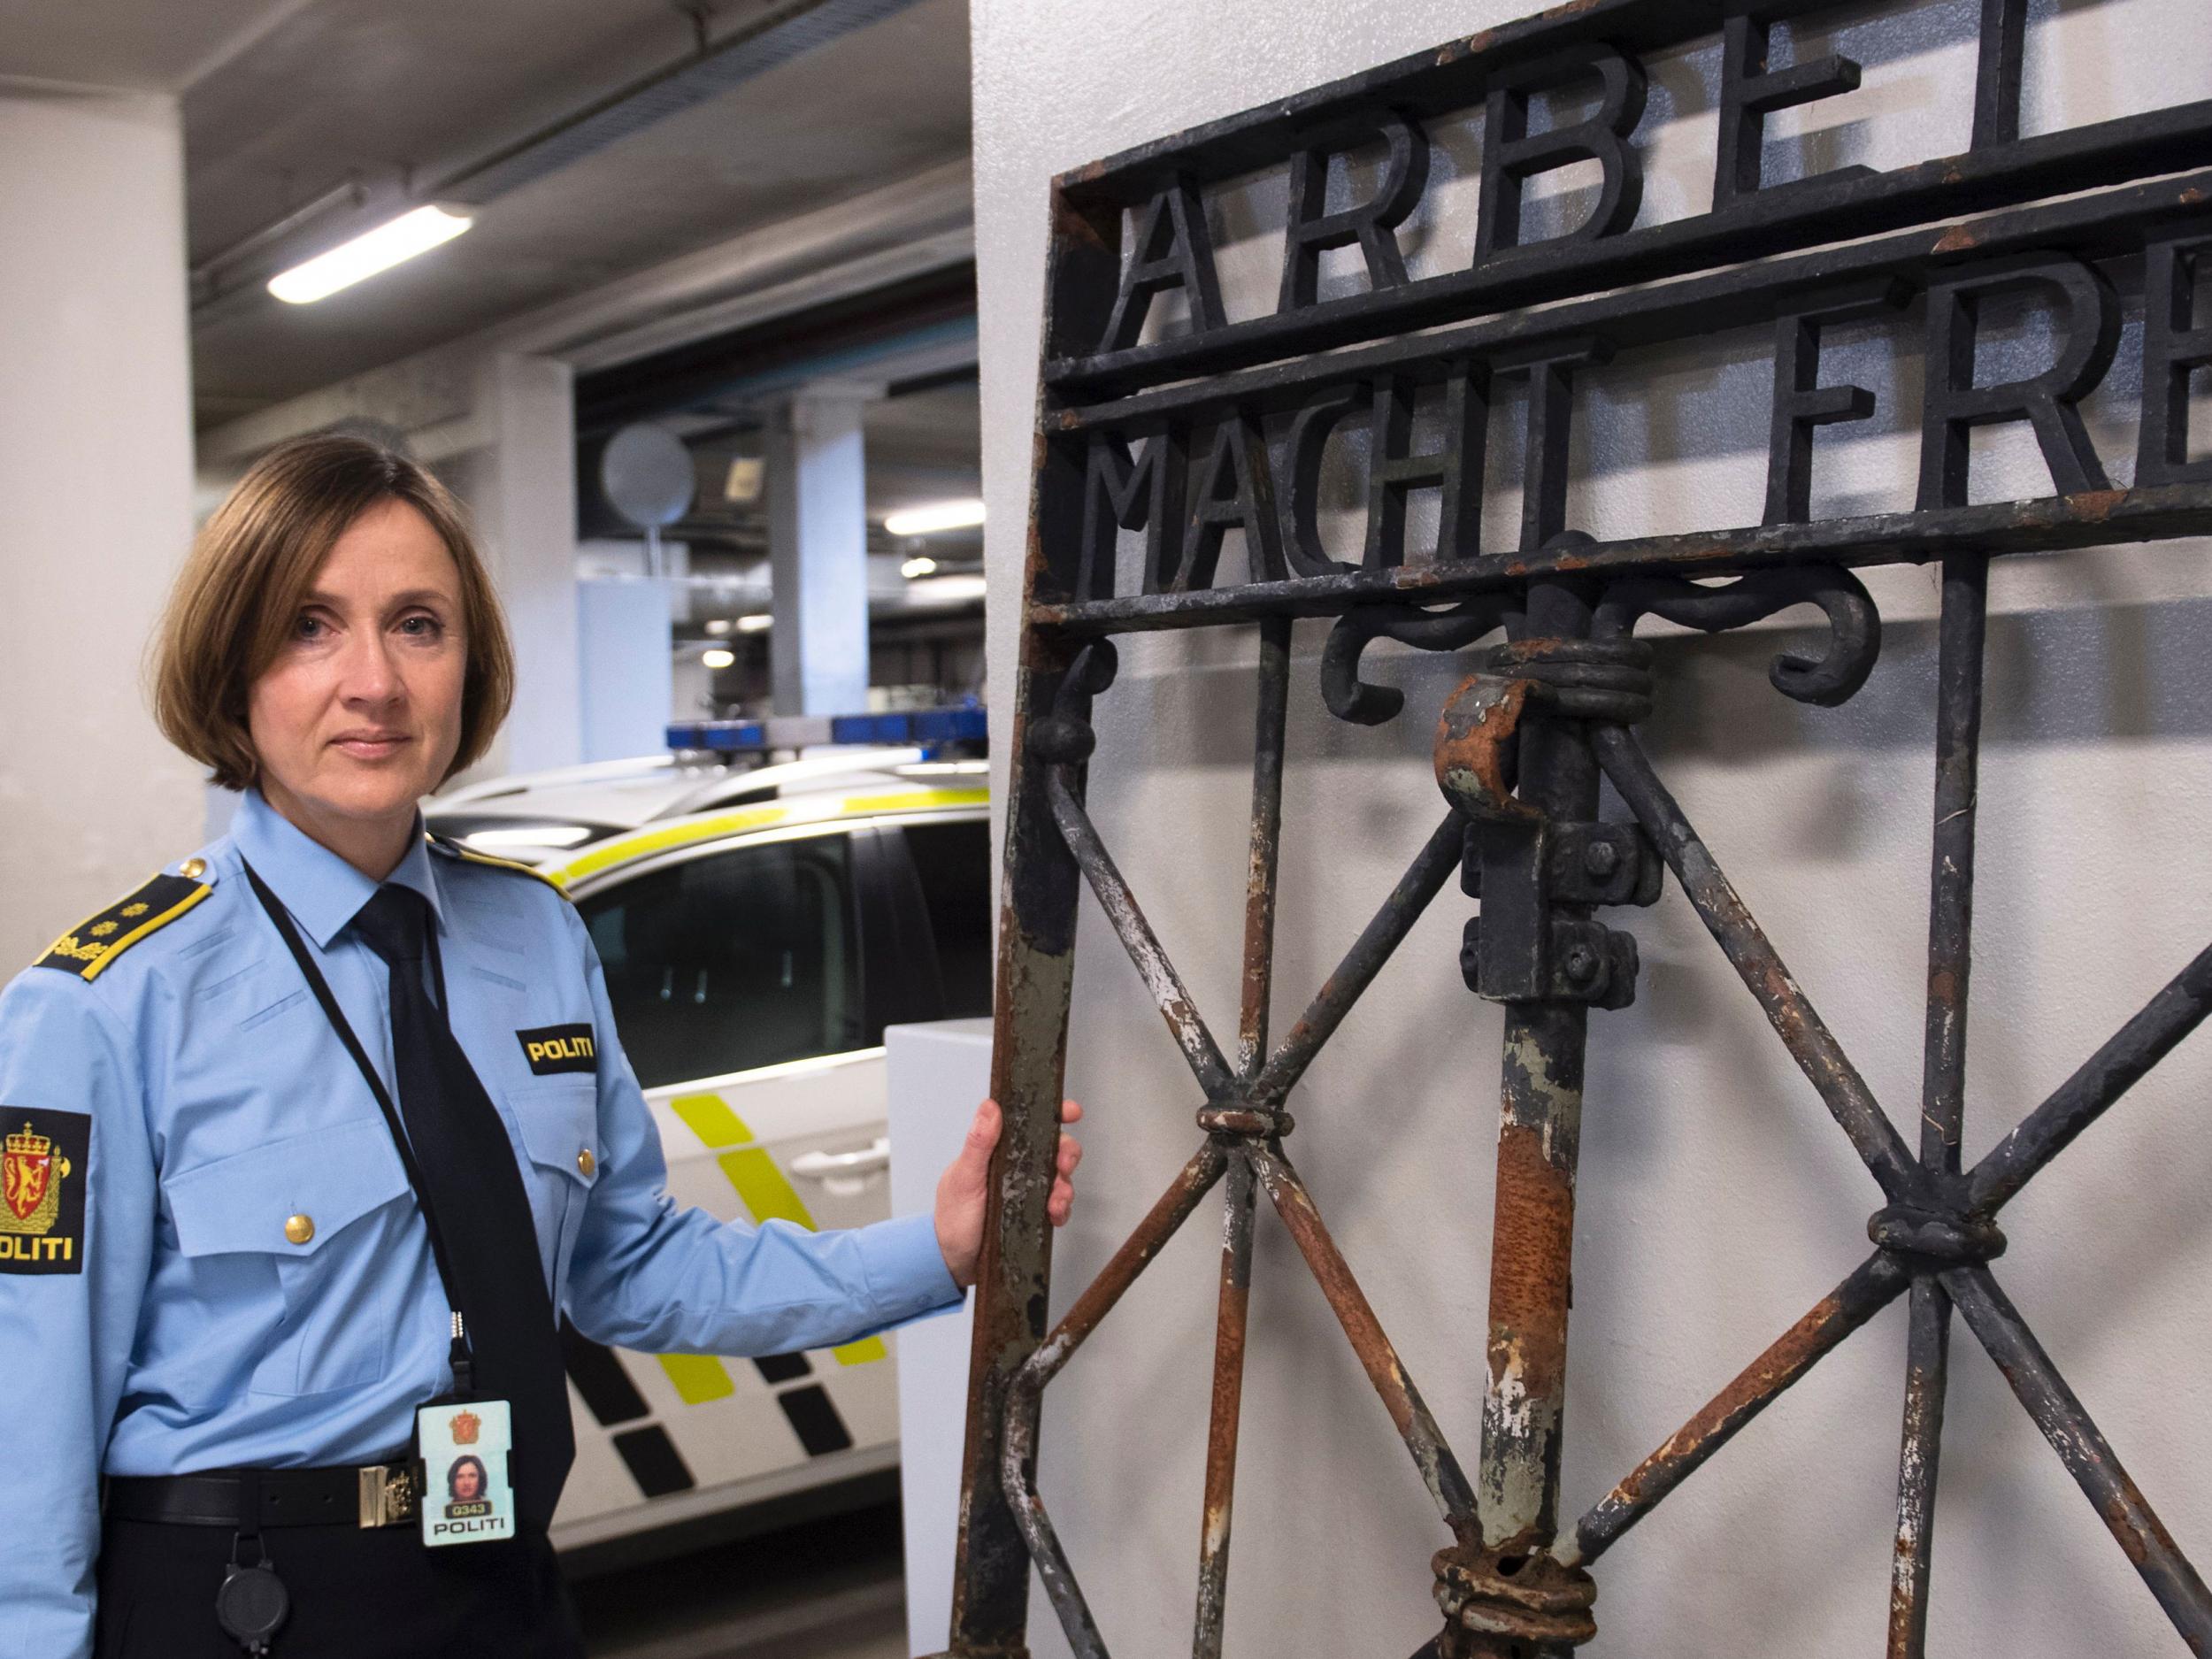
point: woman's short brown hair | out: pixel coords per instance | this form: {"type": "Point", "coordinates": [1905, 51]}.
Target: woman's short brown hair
{"type": "Point", "coordinates": [235, 599]}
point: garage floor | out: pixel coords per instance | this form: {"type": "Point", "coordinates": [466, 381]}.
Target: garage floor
{"type": "Point", "coordinates": [826, 1589]}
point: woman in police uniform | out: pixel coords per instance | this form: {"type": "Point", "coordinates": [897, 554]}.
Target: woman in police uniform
{"type": "Point", "coordinates": [284, 1191]}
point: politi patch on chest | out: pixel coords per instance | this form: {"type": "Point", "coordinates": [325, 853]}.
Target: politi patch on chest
{"type": "Point", "coordinates": [554, 1048]}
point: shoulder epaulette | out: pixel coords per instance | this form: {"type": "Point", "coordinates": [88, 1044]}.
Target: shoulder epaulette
{"type": "Point", "coordinates": [88, 948]}
{"type": "Point", "coordinates": [469, 854]}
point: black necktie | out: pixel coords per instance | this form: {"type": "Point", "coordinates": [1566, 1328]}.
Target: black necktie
{"type": "Point", "coordinates": [474, 1185]}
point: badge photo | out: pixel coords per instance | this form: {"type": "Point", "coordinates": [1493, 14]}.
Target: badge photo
{"type": "Point", "coordinates": [467, 1497]}
{"type": "Point", "coordinates": [46, 1158]}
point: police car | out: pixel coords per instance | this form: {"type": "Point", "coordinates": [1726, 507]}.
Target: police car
{"type": "Point", "coordinates": [765, 898]}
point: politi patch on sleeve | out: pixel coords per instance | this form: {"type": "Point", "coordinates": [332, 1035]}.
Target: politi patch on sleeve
{"type": "Point", "coordinates": [43, 1167]}
{"type": "Point", "coordinates": [552, 1048]}
{"type": "Point", "coordinates": [88, 948]}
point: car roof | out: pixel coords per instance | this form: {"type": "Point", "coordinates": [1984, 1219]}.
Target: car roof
{"type": "Point", "coordinates": [564, 818]}
{"type": "Point", "coordinates": [890, 797]}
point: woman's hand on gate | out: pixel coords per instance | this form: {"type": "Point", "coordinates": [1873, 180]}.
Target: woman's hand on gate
{"type": "Point", "coordinates": [963, 1191]}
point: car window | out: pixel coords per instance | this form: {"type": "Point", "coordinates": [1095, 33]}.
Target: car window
{"type": "Point", "coordinates": [953, 864]}
{"type": "Point", "coordinates": [739, 959]}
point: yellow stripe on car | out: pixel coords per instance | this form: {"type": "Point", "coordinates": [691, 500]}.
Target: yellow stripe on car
{"type": "Point", "coordinates": [622, 849]}
{"type": "Point", "coordinates": [699, 1378]}
{"type": "Point", "coordinates": [709, 1118]}
{"type": "Point", "coordinates": [641, 843]}
{"type": "Point", "coordinates": [913, 801]}
{"type": "Point", "coordinates": [766, 1190]}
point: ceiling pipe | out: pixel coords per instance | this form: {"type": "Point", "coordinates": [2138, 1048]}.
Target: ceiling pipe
{"type": "Point", "coordinates": [796, 30]}
{"type": "Point", "coordinates": [349, 192]}
{"type": "Point", "coordinates": [790, 32]}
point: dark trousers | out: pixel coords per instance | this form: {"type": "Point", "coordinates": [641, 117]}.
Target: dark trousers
{"type": "Point", "coordinates": [356, 1594]}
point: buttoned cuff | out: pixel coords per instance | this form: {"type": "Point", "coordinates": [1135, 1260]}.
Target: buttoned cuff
{"type": "Point", "coordinates": [907, 1275]}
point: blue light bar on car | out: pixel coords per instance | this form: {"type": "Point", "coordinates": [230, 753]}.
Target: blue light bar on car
{"type": "Point", "coordinates": [964, 723]}
{"type": "Point", "coordinates": [920, 725]}
{"type": "Point", "coordinates": [724, 737]}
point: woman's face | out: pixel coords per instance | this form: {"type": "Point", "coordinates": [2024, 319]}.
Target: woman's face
{"type": "Point", "coordinates": [360, 713]}
{"type": "Point", "coordinates": [466, 1483]}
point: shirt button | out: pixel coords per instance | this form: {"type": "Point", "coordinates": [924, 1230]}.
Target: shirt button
{"type": "Point", "coordinates": [586, 1161]}
{"type": "Point", "coordinates": [192, 869]}
{"type": "Point", "coordinates": [299, 1229]}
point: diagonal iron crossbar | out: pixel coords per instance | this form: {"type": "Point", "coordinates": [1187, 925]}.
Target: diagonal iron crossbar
{"type": "Point", "coordinates": [1160, 447]}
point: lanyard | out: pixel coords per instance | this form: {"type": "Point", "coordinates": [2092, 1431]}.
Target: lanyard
{"type": "Point", "coordinates": [464, 1366]}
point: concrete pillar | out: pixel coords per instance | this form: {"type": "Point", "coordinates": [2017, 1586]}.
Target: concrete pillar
{"type": "Point", "coordinates": [628, 673]}
{"type": "Point", "coordinates": [817, 544]}
{"type": "Point", "coordinates": [521, 486]}
{"type": "Point", "coordinates": [96, 499]}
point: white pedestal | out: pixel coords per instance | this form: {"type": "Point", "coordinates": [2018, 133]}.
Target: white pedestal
{"type": "Point", "coordinates": [938, 1072]}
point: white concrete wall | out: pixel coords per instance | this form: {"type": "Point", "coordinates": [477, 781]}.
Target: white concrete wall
{"type": "Point", "coordinates": [96, 499]}
{"type": "Point", "coordinates": [627, 682]}
{"type": "Point", "coordinates": [1718, 1201]}
{"type": "Point", "coordinates": [522, 491]}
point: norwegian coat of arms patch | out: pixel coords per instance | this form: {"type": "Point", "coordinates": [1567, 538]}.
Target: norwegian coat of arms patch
{"type": "Point", "coordinates": [43, 1172]}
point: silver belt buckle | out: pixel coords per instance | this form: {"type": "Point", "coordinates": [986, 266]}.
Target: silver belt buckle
{"type": "Point", "coordinates": [388, 1494]}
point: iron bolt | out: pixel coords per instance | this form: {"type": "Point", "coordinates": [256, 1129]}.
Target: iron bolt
{"type": "Point", "coordinates": [1581, 963]}
{"type": "Point", "coordinates": [1601, 859]}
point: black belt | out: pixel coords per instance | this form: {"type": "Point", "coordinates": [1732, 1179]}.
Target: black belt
{"type": "Point", "coordinates": [375, 1494]}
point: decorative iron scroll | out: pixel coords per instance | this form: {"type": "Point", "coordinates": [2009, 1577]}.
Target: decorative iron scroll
{"type": "Point", "coordinates": [1180, 436]}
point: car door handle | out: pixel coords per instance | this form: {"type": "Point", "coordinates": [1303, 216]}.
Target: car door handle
{"type": "Point", "coordinates": [822, 1166]}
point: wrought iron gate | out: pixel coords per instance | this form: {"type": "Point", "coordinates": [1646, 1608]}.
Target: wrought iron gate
{"type": "Point", "coordinates": [1223, 425]}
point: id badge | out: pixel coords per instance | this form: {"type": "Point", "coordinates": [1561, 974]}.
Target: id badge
{"type": "Point", "coordinates": [467, 1498]}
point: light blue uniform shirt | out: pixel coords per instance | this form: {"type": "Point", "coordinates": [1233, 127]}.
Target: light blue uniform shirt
{"type": "Point", "coordinates": [196, 1335]}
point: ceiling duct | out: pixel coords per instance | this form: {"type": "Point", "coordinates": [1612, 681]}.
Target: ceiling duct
{"type": "Point", "coordinates": [793, 32]}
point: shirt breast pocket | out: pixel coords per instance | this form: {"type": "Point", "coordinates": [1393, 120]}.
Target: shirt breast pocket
{"type": "Point", "coordinates": [559, 1117]}
{"type": "Point", "coordinates": [305, 1247]}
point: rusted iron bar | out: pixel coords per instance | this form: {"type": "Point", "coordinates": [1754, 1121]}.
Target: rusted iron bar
{"type": "Point", "coordinates": [1267, 830]}
{"type": "Point", "coordinates": [2165, 141]}
{"type": "Point", "coordinates": [1802, 1030]}
{"type": "Point", "coordinates": [1423, 880]}
{"type": "Point", "coordinates": [1539, 1137]}
{"type": "Point", "coordinates": [1228, 1404]}
{"type": "Point", "coordinates": [2178, 1008]}
{"type": "Point", "coordinates": [1238, 1204]}
{"type": "Point", "coordinates": [1175, 1002]}
{"type": "Point", "coordinates": [2105, 224]}
{"type": "Point", "coordinates": [2087, 1456]}
{"type": "Point", "coordinates": [1017, 1467]}
{"type": "Point", "coordinates": [1873, 1285]}
{"type": "Point", "coordinates": [1036, 962]}
{"type": "Point", "coordinates": [1440, 1470]}
{"type": "Point", "coordinates": [1960, 635]}
{"type": "Point", "coordinates": [2049, 525]}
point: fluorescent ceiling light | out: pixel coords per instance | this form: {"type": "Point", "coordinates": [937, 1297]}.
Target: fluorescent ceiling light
{"type": "Point", "coordinates": [536, 835]}
{"type": "Point", "coordinates": [720, 625]}
{"type": "Point", "coordinates": [941, 515]}
{"type": "Point", "coordinates": [758, 623]}
{"type": "Point", "coordinates": [379, 249]}
{"type": "Point", "coordinates": [718, 658]}
{"type": "Point", "coordinates": [923, 566]}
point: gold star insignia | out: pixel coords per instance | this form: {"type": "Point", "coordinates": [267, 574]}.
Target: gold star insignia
{"type": "Point", "coordinates": [101, 930]}
{"type": "Point", "coordinates": [134, 910]}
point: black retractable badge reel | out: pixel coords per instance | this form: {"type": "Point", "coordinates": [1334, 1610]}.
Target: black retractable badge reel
{"type": "Point", "coordinates": [461, 1443]}
{"type": "Point", "coordinates": [253, 1604]}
